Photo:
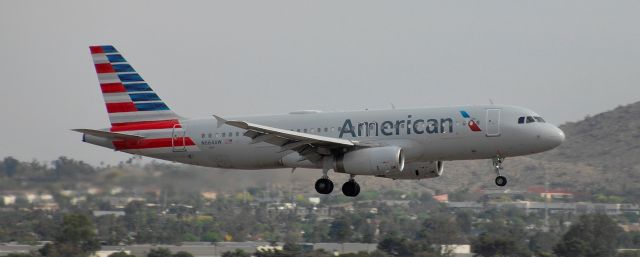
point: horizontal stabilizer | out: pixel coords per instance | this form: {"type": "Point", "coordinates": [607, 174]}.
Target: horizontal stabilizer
{"type": "Point", "coordinates": [106, 134]}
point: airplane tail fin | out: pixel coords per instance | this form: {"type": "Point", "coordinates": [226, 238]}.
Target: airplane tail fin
{"type": "Point", "coordinates": [129, 99]}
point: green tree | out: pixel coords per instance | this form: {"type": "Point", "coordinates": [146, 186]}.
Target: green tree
{"type": "Point", "coordinates": [400, 246]}
{"type": "Point", "coordinates": [10, 166]}
{"type": "Point", "coordinates": [236, 253]}
{"type": "Point", "coordinates": [340, 230]}
{"type": "Point", "coordinates": [543, 242]}
{"type": "Point", "coordinates": [592, 236]}
{"type": "Point", "coordinates": [77, 238]}
{"type": "Point", "coordinates": [629, 254]}
{"type": "Point", "coordinates": [78, 230]}
{"type": "Point", "coordinates": [319, 232]}
{"type": "Point", "coordinates": [19, 255]}
{"type": "Point", "coordinates": [489, 245]}
{"type": "Point", "coordinates": [441, 229]}
{"type": "Point", "coordinates": [159, 252]}
{"type": "Point", "coordinates": [182, 254]}
{"type": "Point", "coordinates": [212, 237]}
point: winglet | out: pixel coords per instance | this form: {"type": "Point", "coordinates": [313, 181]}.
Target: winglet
{"type": "Point", "coordinates": [221, 121]}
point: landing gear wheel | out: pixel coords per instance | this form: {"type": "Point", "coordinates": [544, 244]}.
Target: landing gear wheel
{"type": "Point", "coordinates": [324, 186]}
{"type": "Point", "coordinates": [501, 181]}
{"type": "Point", "coordinates": [351, 188]}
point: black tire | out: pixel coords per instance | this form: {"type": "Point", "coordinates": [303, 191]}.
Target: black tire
{"type": "Point", "coordinates": [501, 181]}
{"type": "Point", "coordinates": [351, 188]}
{"type": "Point", "coordinates": [324, 186]}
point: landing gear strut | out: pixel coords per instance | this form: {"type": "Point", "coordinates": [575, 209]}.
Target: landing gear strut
{"type": "Point", "coordinates": [351, 187]}
{"type": "Point", "coordinates": [497, 165]}
{"type": "Point", "coordinates": [324, 185]}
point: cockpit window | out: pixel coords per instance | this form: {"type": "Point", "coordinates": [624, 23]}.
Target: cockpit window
{"type": "Point", "coordinates": [521, 120]}
{"type": "Point", "coordinates": [539, 119]}
{"type": "Point", "coordinates": [530, 119]}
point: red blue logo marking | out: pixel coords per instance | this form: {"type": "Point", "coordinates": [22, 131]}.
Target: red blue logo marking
{"type": "Point", "coordinates": [472, 122]}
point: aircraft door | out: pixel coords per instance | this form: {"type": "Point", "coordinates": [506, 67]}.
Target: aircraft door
{"type": "Point", "coordinates": [178, 138]}
{"type": "Point", "coordinates": [493, 122]}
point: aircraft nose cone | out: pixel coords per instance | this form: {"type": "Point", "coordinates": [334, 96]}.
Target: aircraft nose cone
{"type": "Point", "coordinates": [557, 136]}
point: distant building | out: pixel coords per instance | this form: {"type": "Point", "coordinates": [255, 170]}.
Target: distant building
{"type": "Point", "coordinates": [553, 207]}
{"type": "Point", "coordinates": [107, 253]}
{"type": "Point", "coordinates": [209, 195]}
{"type": "Point", "coordinates": [268, 248]}
{"type": "Point", "coordinates": [441, 198]}
{"type": "Point", "coordinates": [105, 213]}
{"type": "Point", "coordinates": [558, 193]}
{"type": "Point", "coordinates": [121, 202]}
{"type": "Point", "coordinates": [456, 250]}
{"type": "Point", "coordinates": [314, 200]}
{"type": "Point", "coordinates": [9, 199]}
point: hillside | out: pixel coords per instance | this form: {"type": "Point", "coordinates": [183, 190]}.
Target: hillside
{"type": "Point", "coordinates": [609, 140]}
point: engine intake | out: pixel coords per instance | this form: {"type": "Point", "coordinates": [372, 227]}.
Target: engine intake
{"type": "Point", "coordinates": [371, 161]}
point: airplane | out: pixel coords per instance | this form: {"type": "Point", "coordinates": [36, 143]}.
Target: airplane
{"type": "Point", "coordinates": [393, 144]}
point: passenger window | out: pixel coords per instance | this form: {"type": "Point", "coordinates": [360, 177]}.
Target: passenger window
{"type": "Point", "coordinates": [313, 130]}
{"type": "Point", "coordinates": [298, 130]}
{"type": "Point", "coordinates": [521, 120]}
{"type": "Point", "coordinates": [237, 134]}
{"type": "Point", "coordinates": [305, 130]}
{"type": "Point", "coordinates": [326, 130]}
{"type": "Point", "coordinates": [230, 134]}
{"type": "Point", "coordinates": [530, 119]}
{"type": "Point", "coordinates": [333, 129]}
{"type": "Point", "coordinates": [539, 119]}
{"type": "Point", "coordinates": [223, 134]}
{"type": "Point", "coordinates": [319, 130]}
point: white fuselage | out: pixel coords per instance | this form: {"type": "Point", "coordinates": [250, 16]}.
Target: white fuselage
{"type": "Point", "coordinates": [424, 134]}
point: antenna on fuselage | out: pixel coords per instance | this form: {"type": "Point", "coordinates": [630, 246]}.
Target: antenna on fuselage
{"type": "Point", "coordinates": [490, 101]}
{"type": "Point", "coordinates": [393, 107]}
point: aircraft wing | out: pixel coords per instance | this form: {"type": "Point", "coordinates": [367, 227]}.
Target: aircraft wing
{"type": "Point", "coordinates": [308, 145]}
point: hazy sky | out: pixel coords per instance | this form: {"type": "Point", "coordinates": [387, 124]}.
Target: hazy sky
{"type": "Point", "coordinates": [563, 59]}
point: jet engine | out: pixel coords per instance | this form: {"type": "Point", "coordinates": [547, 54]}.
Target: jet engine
{"type": "Point", "coordinates": [417, 170]}
{"type": "Point", "coordinates": [371, 161]}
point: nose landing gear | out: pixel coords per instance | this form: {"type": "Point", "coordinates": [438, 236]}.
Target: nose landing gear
{"type": "Point", "coordinates": [497, 164]}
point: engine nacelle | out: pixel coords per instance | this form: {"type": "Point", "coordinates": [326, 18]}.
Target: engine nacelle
{"type": "Point", "coordinates": [418, 170]}
{"type": "Point", "coordinates": [371, 161]}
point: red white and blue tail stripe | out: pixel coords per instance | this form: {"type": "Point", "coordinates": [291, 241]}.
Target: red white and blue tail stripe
{"type": "Point", "coordinates": [134, 109]}
{"type": "Point", "coordinates": [129, 99]}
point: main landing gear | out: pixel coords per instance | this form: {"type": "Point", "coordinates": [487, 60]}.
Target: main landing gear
{"type": "Point", "coordinates": [350, 188]}
{"type": "Point", "coordinates": [497, 165]}
{"type": "Point", "coordinates": [324, 186]}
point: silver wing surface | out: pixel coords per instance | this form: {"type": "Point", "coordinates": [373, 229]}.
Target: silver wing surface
{"type": "Point", "coordinates": [310, 147]}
